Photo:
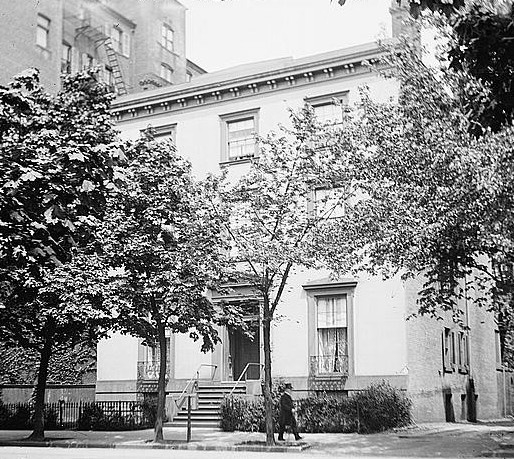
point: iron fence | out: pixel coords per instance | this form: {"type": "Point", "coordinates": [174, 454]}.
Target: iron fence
{"type": "Point", "coordinates": [115, 415]}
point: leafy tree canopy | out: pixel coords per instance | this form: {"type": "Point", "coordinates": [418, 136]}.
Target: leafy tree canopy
{"type": "Point", "coordinates": [293, 189]}
{"type": "Point", "coordinates": [55, 172]}
{"type": "Point", "coordinates": [436, 199]}
{"type": "Point", "coordinates": [164, 243]}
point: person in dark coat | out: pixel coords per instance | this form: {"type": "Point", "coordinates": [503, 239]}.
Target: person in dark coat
{"type": "Point", "coordinates": [286, 417]}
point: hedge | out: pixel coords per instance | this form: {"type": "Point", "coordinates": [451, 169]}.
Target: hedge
{"type": "Point", "coordinates": [379, 407]}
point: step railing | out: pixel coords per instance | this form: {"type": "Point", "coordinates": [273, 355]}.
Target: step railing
{"type": "Point", "coordinates": [243, 373]}
{"type": "Point", "coordinates": [191, 387]}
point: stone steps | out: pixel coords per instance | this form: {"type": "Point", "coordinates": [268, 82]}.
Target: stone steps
{"type": "Point", "coordinates": [206, 414]}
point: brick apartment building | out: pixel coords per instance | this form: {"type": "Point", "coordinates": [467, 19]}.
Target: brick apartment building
{"type": "Point", "coordinates": [137, 44]}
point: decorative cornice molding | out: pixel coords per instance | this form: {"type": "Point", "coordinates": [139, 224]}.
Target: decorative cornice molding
{"type": "Point", "coordinates": [312, 72]}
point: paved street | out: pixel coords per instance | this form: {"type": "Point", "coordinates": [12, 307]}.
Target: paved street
{"type": "Point", "coordinates": [425, 440]}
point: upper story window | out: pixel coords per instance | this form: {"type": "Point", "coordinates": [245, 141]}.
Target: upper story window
{"type": "Point", "coordinates": [120, 41]}
{"type": "Point", "coordinates": [42, 31]}
{"type": "Point", "coordinates": [66, 56]}
{"type": "Point", "coordinates": [164, 132]}
{"type": "Point", "coordinates": [189, 76]}
{"type": "Point", "coordinates": [109, 78]}
{"type": "Point", "coordinates": [332, 334]}
{"type": "Point", "coordinates": [88, 61]}
{"type": "Point", "coordinates": [238, 135]}
{"type": "Point", "coordinates": [329, 113]}
{"type": "Point", "coordinates": [166, 73]}
{"type": "Point", "coordinates": [329, 202]}
{"type": "Point", "coordinates": [329, 108]}
{"type": "Point", "coordinates": [241, 141]}
{"type": "Point", "coordinates": [167, 37]}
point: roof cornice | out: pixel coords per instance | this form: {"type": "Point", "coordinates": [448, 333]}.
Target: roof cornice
{"type": "Point", "coordinates": [333, 65]}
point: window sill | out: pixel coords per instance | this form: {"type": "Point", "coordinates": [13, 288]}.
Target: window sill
{"type": "Point", "coordinates": [243, 160]}
{"type": "Point", "coordinates": [170, 51]}
{"type": "Point", "coordinates": [330, 376]}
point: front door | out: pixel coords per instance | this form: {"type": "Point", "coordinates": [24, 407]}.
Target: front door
{"type": "Point", "coordinates": [244, 350]}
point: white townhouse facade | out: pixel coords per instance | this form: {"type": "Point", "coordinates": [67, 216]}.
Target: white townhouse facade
{"type": "Point", "coordinates": [334, 336]}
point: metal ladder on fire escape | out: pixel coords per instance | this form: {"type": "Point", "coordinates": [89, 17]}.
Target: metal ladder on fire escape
{"type": "Point", "coordinates": [99, 38]}
{"type": "Point", "coordinates": [112, 58]}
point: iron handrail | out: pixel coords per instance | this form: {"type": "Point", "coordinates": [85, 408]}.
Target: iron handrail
{"type": "Point", "coordinates": [242, 374]}
{"type": "Point", "coordinates": [180, 400]}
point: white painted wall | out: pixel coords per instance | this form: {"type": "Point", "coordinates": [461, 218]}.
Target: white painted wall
{"type": "Point", "coordinates": [188, 358]}
{"type": "Point", "coordinates": [379, 323]}
{"type": "Point", "coordinates": [199, 128]}
{"type": "Point", "coordinates": [117, 358]}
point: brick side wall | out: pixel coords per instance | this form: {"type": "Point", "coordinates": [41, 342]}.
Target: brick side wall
{"type": "Point", "coordinates": [429, 384]}
{"type": "Point", "coordinates": [18, 21]}
{"type": "Point", "coordinates": [21, 393]}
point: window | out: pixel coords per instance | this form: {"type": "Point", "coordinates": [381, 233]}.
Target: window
{"type": "Point", "coordinates": [449, 350]}
{"type": "Point", "coordinates": [167, 37]}
{"type": "Point", "coordinates": [238, 131]}
{"type": "Point", "coordinates": [497, 345]}
{"type": "Point", "coordinates": [332, 334]}
{"type": "Point", "coordinates": [109, 78]}
{"type": "Point", "coordinates": [87, 61]}
{"type": "Point", "coordinates": [462, 352]}
{"type": "Point", "coordinates": [164, 132]}
{"type": "Point", "coordinates": [166, 73]}
{"type": "Point", "coordinates": [329, 113]}
{"type": "Point", "coordinates": [329, 108]}
{"type": "Point", "coordinates": [42, 31]}
{"type": "Point", "coordinates": [189, 75]}
{"type": "Point", "coordinates": [116, 37]}
{"type": "Point", "coordinates": [66, 54]}
{"type": "Point", "coordinates": [241, 140]}
{"type": "Point", "coordinates": [329, 203]}
{"type": "Point", "coordinates": [120, 41]}
{"type": "Point", "coordinates": [149, 367]}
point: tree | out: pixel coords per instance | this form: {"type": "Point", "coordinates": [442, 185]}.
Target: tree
{"type": "Point", "coordinates": [166, 246]}
{"type": "Point", "coordinates": [436, 199]}
{"type": "Point", "coordinates": [483, 46]}
{"type": "Point", "coordinates": [275, 223]}
{"type": "Point", "coordinates": [55, 171]}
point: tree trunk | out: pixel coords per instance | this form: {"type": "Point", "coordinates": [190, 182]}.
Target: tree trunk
{"type": "Point", "coordinates": [39, 420]}
{"type": "Point", "coordinates": [268, 400]}
{"type": "Point", "coordinates": [161, 385]}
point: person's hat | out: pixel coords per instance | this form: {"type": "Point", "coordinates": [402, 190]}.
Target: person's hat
{"type": "Point", "coordinates": [288, 385]}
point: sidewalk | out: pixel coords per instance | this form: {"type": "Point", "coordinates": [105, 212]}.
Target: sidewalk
{"type": "Point", "coordinates": [493, 439]}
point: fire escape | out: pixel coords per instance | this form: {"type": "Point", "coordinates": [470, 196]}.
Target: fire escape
{"type": "Point", "coordinates": [96, 35]}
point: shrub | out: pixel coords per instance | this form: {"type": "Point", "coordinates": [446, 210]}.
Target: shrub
{"type": "Point", "coordinates": [20, 418]}
{"type": "Point", "coordinates": [326, 414]}
{"type": "Point", "coordinates": [50, 415]}
{"type": "Point", "coordinates": [149, 411]}
{"type": "Point", "coordinates": [90, 417]}
{"type": "Point", "coordinates": [379, 407]}
{"type": "Point", "coordinates": [240, 413]}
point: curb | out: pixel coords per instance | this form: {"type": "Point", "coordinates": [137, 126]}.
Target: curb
{"type": "Point", "coordinates": [170, 446]}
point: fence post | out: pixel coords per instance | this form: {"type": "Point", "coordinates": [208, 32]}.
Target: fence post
{"type": "Point", "coordinates": [61, 409]}
{"type": "Point", "coordinates": [189, 418]}
{"type": "Point", "coordinates": [358, 419]}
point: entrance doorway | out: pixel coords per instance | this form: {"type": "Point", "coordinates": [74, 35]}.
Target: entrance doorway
{"type": "Point", "coordinates": [244, 350]}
